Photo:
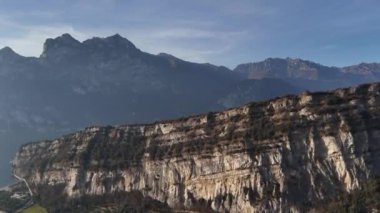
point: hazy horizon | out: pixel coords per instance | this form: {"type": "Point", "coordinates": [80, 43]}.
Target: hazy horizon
{"type": "Point", "coordinates": [224, 33]}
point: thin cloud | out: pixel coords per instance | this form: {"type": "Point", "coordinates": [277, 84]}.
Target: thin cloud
{"type": "Point", "coordinates": [193, 34]}
{"type": "Point", "coordinates": [329, 46]}
{"type": "Point", "coordinates": [245, 8]}
{"type": "Point", "coordinates": [29, 39]}
{"type": "Point", "coordinates": [31, 43]}
{"type": "Point", "coordinates": [222, 32]}
{"type": "Point", "coordinates": [171, 40]}
{"type": "Point", "coordinates": [191, 44]}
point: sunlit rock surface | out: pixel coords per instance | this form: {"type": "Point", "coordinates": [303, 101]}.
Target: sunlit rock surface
{"type": "Point", "coordinates": [285, 154]}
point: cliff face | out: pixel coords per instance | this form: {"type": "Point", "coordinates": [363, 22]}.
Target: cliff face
{"type": "Point", "coordinates": [284, 154]}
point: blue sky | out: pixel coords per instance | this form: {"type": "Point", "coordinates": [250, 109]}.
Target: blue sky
{"type": "Point", "coordinates": [222, 32]}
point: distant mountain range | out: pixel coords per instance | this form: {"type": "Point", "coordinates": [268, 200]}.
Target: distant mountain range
{"type": "Point", "coordinates": [310, 75]}
{"type": "Point", "coordinates": [110, 81]}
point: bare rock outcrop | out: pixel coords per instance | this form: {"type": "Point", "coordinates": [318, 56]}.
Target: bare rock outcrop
{"type": "Point", "coordinates": [286, 154]}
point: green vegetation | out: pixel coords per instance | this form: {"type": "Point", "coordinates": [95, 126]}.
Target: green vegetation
{"type": "Point", "coordinates": [35, 209]}
{"type": "Point", "coordinates": [123, 152]}
{"type": "Point", "coordinates": [332, 99]}
{"type": "Point", "coordinates": [9, 204]}
{"type": "Point", "coordinates": [362, 89]}
{"type": "Point", "coordinates": [111, 202]}
{"type": "Point", "coordinates": [210, 122]}
{"type": "Point", "coordinates": [363, 200]}
{"type": "Point", "coordinates": [49, 195]}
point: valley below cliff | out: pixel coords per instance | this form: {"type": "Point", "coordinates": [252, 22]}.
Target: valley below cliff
{"type": "Point", "coordinates": [288, 154]}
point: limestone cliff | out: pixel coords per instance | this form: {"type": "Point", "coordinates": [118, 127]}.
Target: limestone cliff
{"type": "Point", "coordinates": [285, 154]}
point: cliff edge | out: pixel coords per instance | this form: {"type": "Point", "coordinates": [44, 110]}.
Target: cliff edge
{"type": "Point", "coordinates": [286, 154]}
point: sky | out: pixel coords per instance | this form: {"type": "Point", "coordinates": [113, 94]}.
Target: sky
{"type": "Point", "coordinates": [221, 32]}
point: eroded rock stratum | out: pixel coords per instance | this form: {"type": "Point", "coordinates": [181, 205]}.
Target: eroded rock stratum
{"type": "Point", "coordinates": [286, 154]}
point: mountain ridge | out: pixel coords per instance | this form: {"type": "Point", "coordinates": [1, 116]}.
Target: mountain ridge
{"type": "Point", "coordinates": [71, 40]}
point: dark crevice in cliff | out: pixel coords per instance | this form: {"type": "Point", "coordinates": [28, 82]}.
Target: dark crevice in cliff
{"type": "Point", "coordinates": [200, 205]}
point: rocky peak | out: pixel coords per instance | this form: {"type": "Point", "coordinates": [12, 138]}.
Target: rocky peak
{"type": "Point", "coordinates": [287, 68]}
{"type": "Point", "coordinates": [65, 47]}
{"type": "Point", "coordinates": [7, 54]}
{"type": "Point", "coordinates": [7, 50]}
{"type": "Point", "coordinates": [363, 68]}
{"type": "Point", "coordinates": [269, 68]}
{"type": "Point", "coordinates": [170, 58]}
{"type": "Point", "coordinates": [119, 41]}
{"type": "Point", "coordinates": [60, 46]}
{"type": "Point", "coordinates": [115, 43]}
{"type": "Point", "coordinates": [288, 62]}
{"type": "Point", "coordinates": [301, 62]}
{"type": "Point", "coordinates": [167, 56]}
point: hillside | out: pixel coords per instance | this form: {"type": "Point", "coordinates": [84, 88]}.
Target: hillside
{"type": "Point", "coordinates": [291, 153]}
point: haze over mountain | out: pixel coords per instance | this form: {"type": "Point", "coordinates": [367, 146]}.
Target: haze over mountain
{"type": "Point", "coordinates": [110, 81]}
{"type": "Point", "coordinates": [310, 75]}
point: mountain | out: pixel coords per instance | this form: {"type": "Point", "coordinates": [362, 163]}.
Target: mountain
{"type": "Point", "coordinates": [82, 81]}
{"type": "Point", "coordinates": [103, 81]}
{"type": "Point", "coordinates": [309, 75]}
{"type": "Point", "coordinates": [99, 81]}
{"type": "Point", "coordinates": [292, 153]}
{"type": "Point", "coordinates": [288, 68]}
{"type": "Point", "coordinates": [256, 90]}
{"type": "Point", "coordinates": [370, 71]}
